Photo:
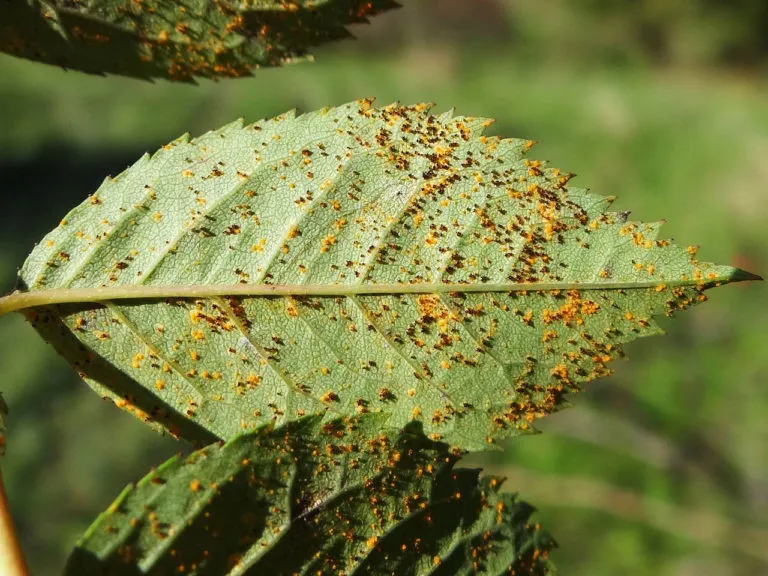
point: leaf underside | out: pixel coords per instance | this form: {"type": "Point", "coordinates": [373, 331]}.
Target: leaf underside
{"type": "Point", "coordinates": [306, 498]}
{"type": "Point", "coordinates": [178, 40]}
{"type": "Point", "coordinates": [531, 286]}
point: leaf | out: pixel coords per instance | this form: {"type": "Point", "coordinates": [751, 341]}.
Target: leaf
{"type": "Point", "coordinates": [306, 498]}
{"type": "Point", "coordinates": [177, 40]}
{"type": "Point", "coordinates": [350, 260]}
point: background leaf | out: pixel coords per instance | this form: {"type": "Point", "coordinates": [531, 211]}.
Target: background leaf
{"type": "Point", "coordinates": [270, 270]}
{"type": "Point", "coordinates": [177, 40]}
{"type": "Point", "coordinates": [339, 498]}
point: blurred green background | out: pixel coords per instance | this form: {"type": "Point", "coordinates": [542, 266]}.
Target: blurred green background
{"type": "Point", "coordinates": [660, 469]}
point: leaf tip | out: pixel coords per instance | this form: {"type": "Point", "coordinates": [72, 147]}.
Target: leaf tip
{"type": "Point", "coordinates": [739, 275]}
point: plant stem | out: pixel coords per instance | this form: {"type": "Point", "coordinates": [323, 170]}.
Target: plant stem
{"type": "Point", "coordinates": [11, 558]}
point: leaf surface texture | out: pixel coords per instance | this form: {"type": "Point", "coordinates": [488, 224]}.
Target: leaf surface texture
{"type": "Point", "coordinates": [351, 260]}
{"type": "Point", "coordinates": [178, 40]}
{"type": "Point", "coordinates": [306, 498]}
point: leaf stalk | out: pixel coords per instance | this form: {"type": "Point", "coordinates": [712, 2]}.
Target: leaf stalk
{"type": "Point", "coordinates": [12, 561]}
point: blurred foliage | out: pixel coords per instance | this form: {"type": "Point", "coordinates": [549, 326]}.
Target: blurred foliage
{"type": "Point", "coordinates": [684, 32]}
{"type": "Point", "coordinates": [620, 32]}
{"type": "Point", "coordinates": [683, 137]}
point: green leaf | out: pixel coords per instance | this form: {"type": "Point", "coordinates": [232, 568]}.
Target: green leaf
{"type": "Point", "coordinates": [177, 40]}
{"type": "Point", "coordinates": [350, 260]}
{"type": "Point", "coordinates": [306, 498]}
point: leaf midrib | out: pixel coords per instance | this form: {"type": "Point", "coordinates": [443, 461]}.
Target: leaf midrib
{"type": "Point", "coordinates": [21, 300]}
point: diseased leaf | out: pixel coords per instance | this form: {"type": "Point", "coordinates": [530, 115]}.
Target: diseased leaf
{"type": "Point", "coordinates": [350, 260]}
{"type": "Point", "coordinates": [177, 40]}
{"type": "Point", "coordinates": [306, 498]}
